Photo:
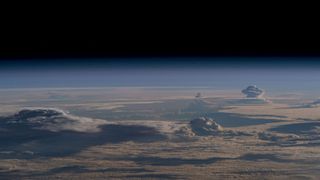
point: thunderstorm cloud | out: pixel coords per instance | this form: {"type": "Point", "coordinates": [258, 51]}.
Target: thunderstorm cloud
{"type": "Point", "coordinates": [204, 126]}
{"type": "Point", "coordinates": [312, 104]}
{"type": "Point", "coordinates": [253, 92]}
{"type": "Point", "coordinates": [53, 120]}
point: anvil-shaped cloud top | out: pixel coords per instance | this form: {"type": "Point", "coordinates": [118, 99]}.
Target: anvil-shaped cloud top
{"type": "Point", "coordinates": [253, 92]}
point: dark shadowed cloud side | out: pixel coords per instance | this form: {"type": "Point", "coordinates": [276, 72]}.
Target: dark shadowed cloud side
{"type": "Point", "coordinates": [31, 133]}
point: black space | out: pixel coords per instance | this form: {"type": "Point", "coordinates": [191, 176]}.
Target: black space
{"type": "Point", "coordinates": [197, 37]}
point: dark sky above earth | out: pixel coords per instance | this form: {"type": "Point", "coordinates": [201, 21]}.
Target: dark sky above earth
{"type": "Point", "coordinates": [287, 74]}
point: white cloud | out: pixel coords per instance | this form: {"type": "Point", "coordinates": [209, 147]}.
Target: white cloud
{"type": "Point", "coordinates": [253, 92]}
{"type": "Point", "coordinates": [54, 120]}
{"type": "Point", "coordinates": [313, 104]}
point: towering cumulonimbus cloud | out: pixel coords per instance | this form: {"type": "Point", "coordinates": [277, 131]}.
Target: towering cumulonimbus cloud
{"type": "Point", "coordinates": [51, 119]}
{"type": "Point", "coordinates": [204, 126]}
{"type": "Point", "coordinates": [313, 104]}
{"type": "Point", "coordinates": [201, 126]}
{"type": "Point", "coordinates": [49, 132]}
{"type": "Point", "coordinates": [253, 91]}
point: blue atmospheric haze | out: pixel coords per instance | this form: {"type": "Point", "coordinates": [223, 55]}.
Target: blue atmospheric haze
{"type": "Point", "coordinates": [268, 73]}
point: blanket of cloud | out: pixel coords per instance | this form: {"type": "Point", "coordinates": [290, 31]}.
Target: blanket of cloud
{"type": "Point", "coordinates": [253, 91]}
